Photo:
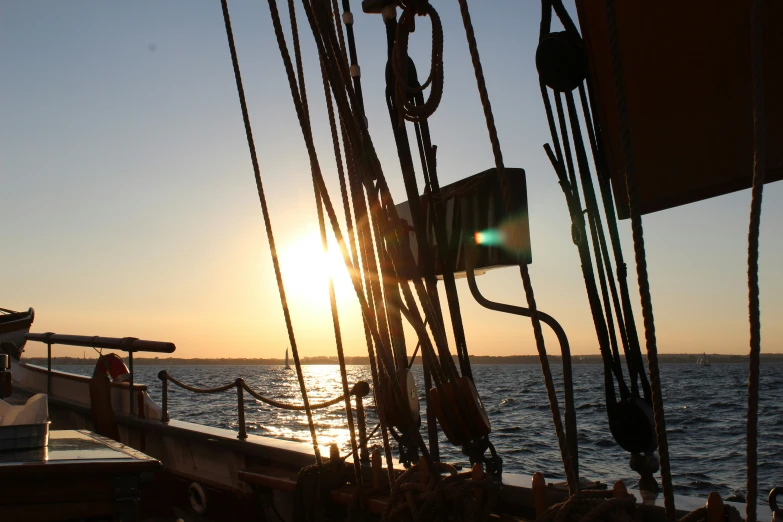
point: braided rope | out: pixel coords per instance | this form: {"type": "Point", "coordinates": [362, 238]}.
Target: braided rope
{"type": "Point", "coordinates": [322, 230]}
{"type": "Point", "coordinates": [539, 337]}
{"type": "Point", "coordinates": [455, 497]}
{"type": "Point", "coordinates": [754, 312]}
{"type": "Point", "coordinates": [591, 505]}
{"type": "Point", "coordinates": [332, 300]}
{"type": "Point", "coordinates": [629, 333]}
{"type": "Point", "coordinates": [268, 226]}
{"type": "Point", "coordinates": [320, 186]}
{"type": "Point", "coordinates": [194, 389]}
{"type": "Point", "coordinates": [730, 514]}
{"type": "Point", "coordinates": [641, 264]}
{"type": "Point", "coordinates": [406, 106]}
{"type": "Point", "coordinates": [323, 31]}
{"type": "Point", "coordinates": [251, 391]}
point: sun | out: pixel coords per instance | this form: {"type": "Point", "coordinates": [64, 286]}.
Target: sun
{"type": "Point", "coordinates": [307, 268]}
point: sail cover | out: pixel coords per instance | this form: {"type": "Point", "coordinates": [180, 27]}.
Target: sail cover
{"type": "Point", "coordinates": [687, 73]}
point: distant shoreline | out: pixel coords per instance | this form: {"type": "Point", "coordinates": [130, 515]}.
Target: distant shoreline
{"type": "Point", "coordinates": [363, 361]}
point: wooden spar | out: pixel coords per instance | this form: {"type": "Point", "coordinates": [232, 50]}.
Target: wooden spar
{"type": "Point", "coordinates": [126, 344]}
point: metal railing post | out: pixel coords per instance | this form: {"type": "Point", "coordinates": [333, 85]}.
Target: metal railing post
{"type": "Point", "coordinates": [163, 375]}
{"type": "Point", "coordinates": [361, 420]}
{"type": "Point", "coordinates": [241, 409]}
{"type": "Point", "coordinates": [130, 383]}
{"type": "Point", "coordinates": [49, 368]}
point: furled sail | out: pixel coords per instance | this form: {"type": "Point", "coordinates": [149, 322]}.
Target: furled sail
{"type": "Point", "coordinates": [687, 73]}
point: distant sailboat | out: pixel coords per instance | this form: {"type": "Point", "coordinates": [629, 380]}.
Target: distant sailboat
{"type": "Point", "coordinates": [287, 366]}
{"type": "Point", "coordinates": [703, 361]}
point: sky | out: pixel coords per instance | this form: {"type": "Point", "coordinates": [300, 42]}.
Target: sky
{"type": "Point", "coordinates": [128, 204]}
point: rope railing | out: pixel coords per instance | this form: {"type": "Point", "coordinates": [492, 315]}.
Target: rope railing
{"type": "Point", "coordinates": [360, 389]}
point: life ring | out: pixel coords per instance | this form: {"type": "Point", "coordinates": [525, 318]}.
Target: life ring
{"type": "Point", "coordinates": [198, 500]}
{"type": "Point", "coordinates": [112, 365]}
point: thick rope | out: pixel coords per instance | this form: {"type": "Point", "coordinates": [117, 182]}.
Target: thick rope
{"type": "Point", "coordinates": [730, 514]}
{"type": "Point", "coordinates": [578, 223]}
{"type": "Point", "coordinates": [641, 263]}
{"type": "Point", "coordinates": [358, 135]}
{"type": "Point", "coordinates": [322, 230]}
{"type": "Point", "coordinates": [320, 187]}
{"type": "Point", "coordinates": [268, 226]}
{"type": "Point", "coordinates": [194, 389]}
{"type": "Point", "coordinates": [407, 108]}
{"type": "Point", "coordinates": [324, 29]}
{"type": "Point", "coordinates": [251, 391]}
{"type": "Point", "coordinates": [294, 407]}
{"type": "Point", "coordinates": [590, 505]}
{"type": "Point", "coordinates": [628, 330]}
{"type": "Point", "coordinates": [754, 312]}
{"type": "Point", "coordinates": [455, 497]}
{"type": "Point", "coordinates": [531, 301]}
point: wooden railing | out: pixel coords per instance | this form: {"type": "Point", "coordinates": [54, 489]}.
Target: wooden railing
{"type": "Point", "coordinates": [130, 345]}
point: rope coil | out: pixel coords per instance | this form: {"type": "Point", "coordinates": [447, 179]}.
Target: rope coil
{"type": "Point", "coordinates": [419, 496]}
{"type": "Point", "coordinates": [406, 104]}
{"type": "Point", "coordinates": [593, 505]}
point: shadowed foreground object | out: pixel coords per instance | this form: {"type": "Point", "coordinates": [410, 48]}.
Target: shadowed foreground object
{"type": "Point", "coordinates": [687, 73]}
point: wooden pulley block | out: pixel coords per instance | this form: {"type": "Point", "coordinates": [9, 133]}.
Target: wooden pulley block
{"type": "Point", "coordinates": [410, 396]}
{"type": "Point", "coordinates": [460, 412]}
{"type": "Point", "coordinates": [445, 407]}
{"type": "Point", "coordinates": [472, 409]}
{"type": "Point", "coordinates": [632, 425]}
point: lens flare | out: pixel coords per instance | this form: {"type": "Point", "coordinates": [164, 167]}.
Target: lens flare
{"type": "Point", "coordinates": [490, 237]}
{"type": "Point", "coordinates": [511, 235]}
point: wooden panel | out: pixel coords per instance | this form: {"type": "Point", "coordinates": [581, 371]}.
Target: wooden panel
{"type": "Point", "coordinates": [688, 81]}
{"type": "Point", "coordinates": [267, 477]}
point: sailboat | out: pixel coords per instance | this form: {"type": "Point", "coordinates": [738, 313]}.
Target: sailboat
{"type": "Point", "coordinates": [402, 257]}
{"type": "Point", "coordinates": [287, 366]}
{"type": "Point", "coordinates": [14, 326]}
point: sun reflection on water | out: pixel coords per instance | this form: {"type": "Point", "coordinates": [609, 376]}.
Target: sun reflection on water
{"type": "Point", "coordinates": [323, 383]}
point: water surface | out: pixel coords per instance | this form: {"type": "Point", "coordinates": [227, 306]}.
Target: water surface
{"type": "Point", "coordinates": [705, 417]}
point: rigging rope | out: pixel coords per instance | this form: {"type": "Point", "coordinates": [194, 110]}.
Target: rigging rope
{"type": "Point", "coordinates": [626, 317]}
{"type": "Point", "coordinates": [754, 312]}
{"type": "Point", "coordinates": [324, 242]}
{"type": "Point", "coordinates": [494, 140]}
{"type": "Point", "coordinates": [304, 122]}
{"type": "Point", "coordinates": [641, 262]}
{"type": "Point", "coordinates": [268, 226]}
{"type": "Point", "coordinates": [403, 91]}
{"type": "Point", "coordinates": [321, 24]}
{"type": "Point", "coordinates": [407, 108]}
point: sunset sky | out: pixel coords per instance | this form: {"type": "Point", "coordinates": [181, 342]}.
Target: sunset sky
{"type": "Point", "coordinates": [128, 205]}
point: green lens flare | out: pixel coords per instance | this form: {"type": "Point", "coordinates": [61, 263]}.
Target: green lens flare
{"type": "Point", "coordinates": [490, 237]}
{"type": "Point", "coordinates": [510, 235]}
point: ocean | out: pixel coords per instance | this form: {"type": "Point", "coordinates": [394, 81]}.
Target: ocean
{"type": "Point", "coordinates": [705, 417]}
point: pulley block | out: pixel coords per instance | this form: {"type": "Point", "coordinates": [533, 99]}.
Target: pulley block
{"type": "Point", "coordinates": [633, 426]}
{"type": "Point", "coordinates": [561, 61]}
